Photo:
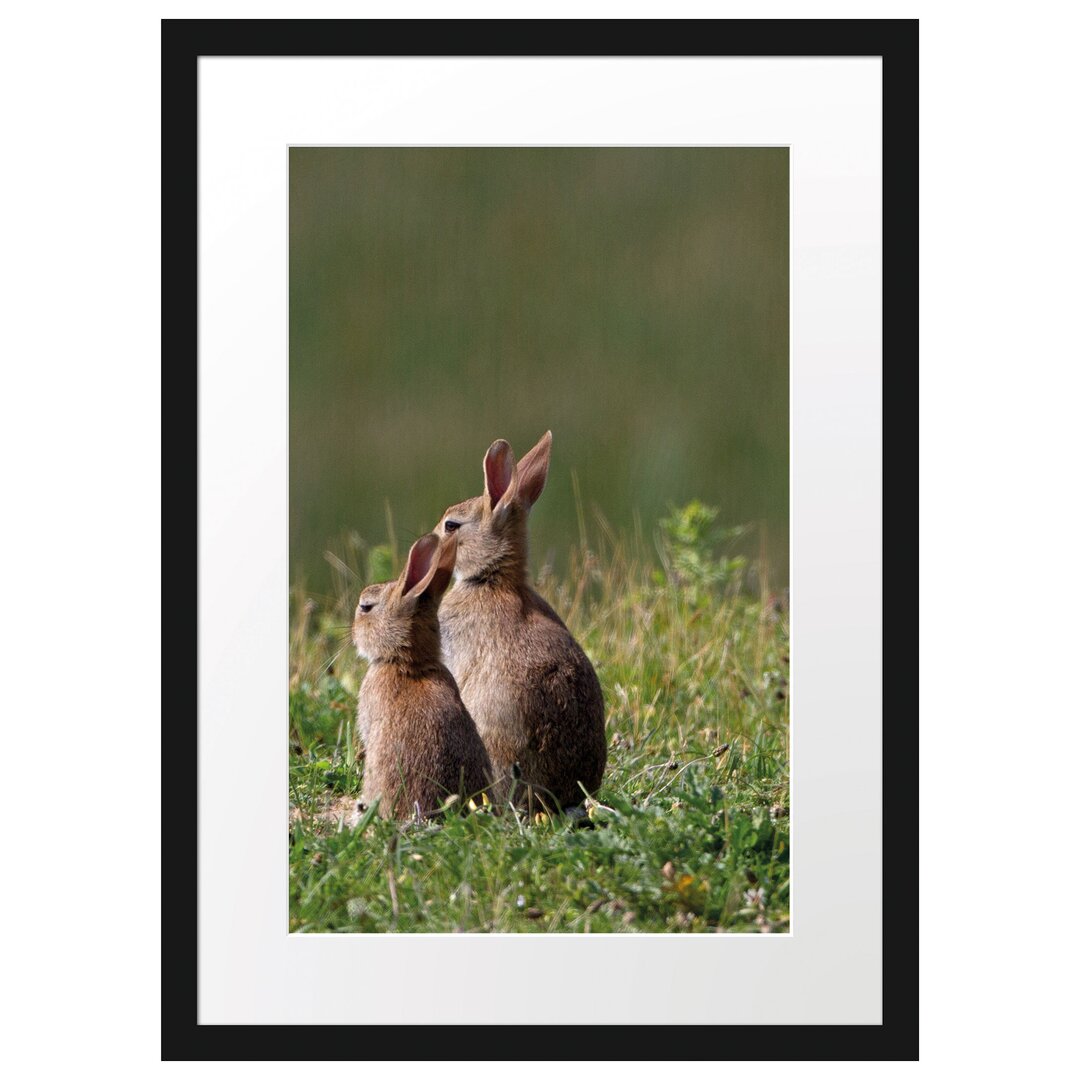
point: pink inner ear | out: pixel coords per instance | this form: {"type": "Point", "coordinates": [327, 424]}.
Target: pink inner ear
{"type": "Point", "coordinates": [420, 556]}
{"type": "Point", "coordinates": [498, 470]}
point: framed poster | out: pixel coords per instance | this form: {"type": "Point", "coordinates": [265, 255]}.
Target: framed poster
{"type": "Point", "coordinates": [557, 380]}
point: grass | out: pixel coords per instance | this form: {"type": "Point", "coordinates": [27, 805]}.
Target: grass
{"type": "Point", "coordinates": [690, 830]}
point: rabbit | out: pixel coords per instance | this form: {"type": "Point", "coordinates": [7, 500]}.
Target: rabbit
{"type": "Point", "coordinates": [529, 686]}
{"type": "Point", "coordinates": [421, 746]}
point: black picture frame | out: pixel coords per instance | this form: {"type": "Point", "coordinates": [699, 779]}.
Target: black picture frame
{"type": "Point", "coordinates": [182, 43]}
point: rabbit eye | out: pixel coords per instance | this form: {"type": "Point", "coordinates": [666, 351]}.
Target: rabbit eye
{"type": "Point", "coordinates": [366, 607]}
{"type": "Point", "coordinates": [451, 526]}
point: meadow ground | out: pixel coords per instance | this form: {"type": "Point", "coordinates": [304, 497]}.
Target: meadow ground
{"type": "Point", "coordinates": [690, 830]}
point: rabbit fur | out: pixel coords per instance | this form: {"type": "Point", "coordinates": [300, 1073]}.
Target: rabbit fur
{"type": "Point", "coordinates": [421, 745]}
{"type": "Point", "coordinates": [527, 683]}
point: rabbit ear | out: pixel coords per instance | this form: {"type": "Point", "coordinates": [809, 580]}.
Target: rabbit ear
{"type": "Point", "coordinates": [430, 566]}
{"type": "Point", "coordinates": [420, 562]}
{"type": "Point", "coordinates": [443, 573]}
{"type": "Point", "coordinates": [498, 471]}
{"type": "Point", "coordinates": [532, 470]}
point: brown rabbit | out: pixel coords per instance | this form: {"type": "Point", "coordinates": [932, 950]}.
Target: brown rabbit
{"type": "Point", "coordinates": [529, 686]}
{"type": "Point", "coordinates": [421, 745]}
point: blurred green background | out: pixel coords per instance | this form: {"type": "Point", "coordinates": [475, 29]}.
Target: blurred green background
{"type": "Point", "coordinates": [633, 300]}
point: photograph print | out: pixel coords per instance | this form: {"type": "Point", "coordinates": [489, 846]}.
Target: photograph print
{"type": "Point", "coordinates": [538, 536]}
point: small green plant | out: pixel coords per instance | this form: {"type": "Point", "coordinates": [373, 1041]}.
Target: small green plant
{"type": "Point", "coordinates": [689, 538]}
